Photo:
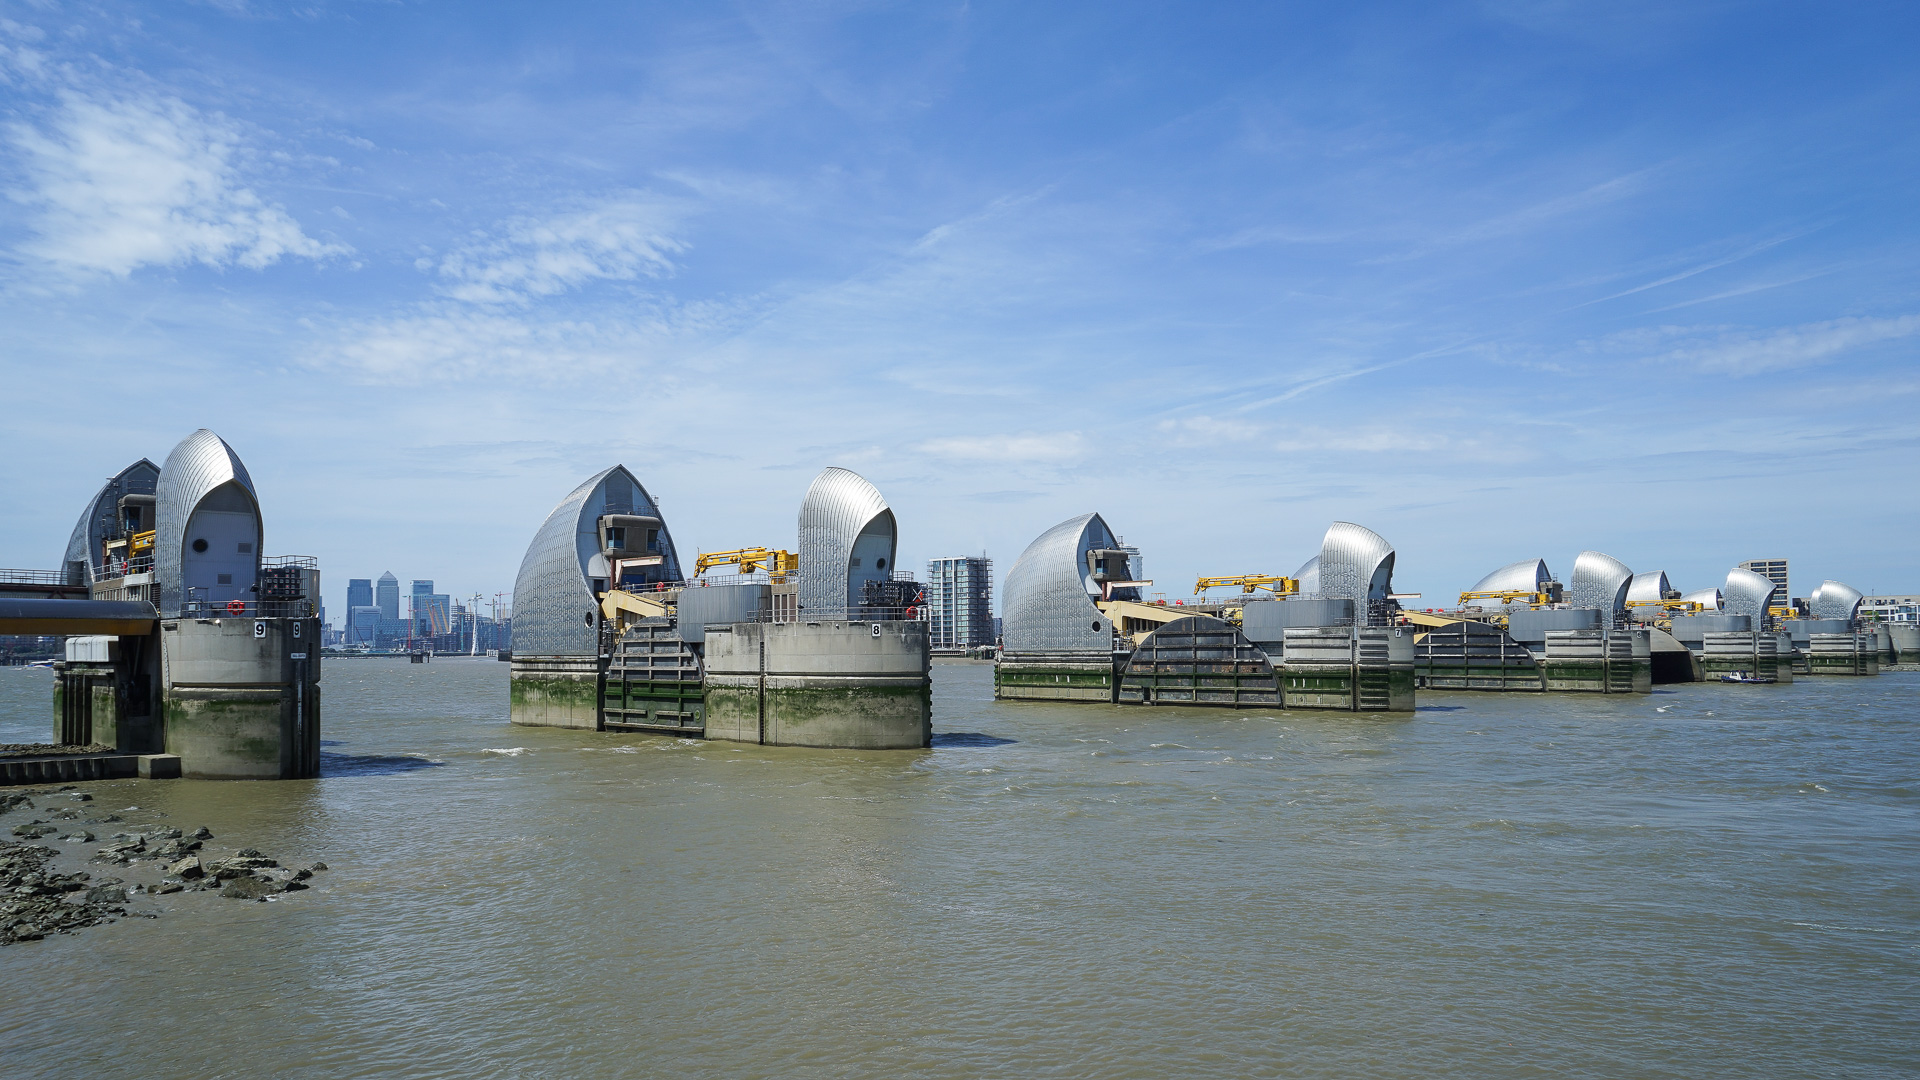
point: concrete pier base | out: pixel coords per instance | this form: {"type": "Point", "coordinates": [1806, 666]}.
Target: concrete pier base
{"type": "Point", "coordinates": [1842, 654]}
{"type": "Point", "coordinates": [240, 698]}
{"type": "Point", "coordinates": [1598, 661]}
{"type": "Point", "coordinates": [1363, 669]}
{"type": "Point", "coordinates": [555, 691]}
{"type": "Point", "coordinates": [1756, 653]}
{"type": "Point", "coordinates": [831, 684]}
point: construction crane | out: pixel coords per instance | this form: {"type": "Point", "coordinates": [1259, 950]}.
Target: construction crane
{"type": "Point", "coordinates": [1674, 607]}
{"type": "Point", "coordinates": [1273, 583]}
{"type": "Point", "coordinates": [778, 564]}
{"type": "Point", "coordinates": [1507, 596]}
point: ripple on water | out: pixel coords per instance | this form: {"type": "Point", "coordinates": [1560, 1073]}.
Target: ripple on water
{"type": "Point", "coordinates": [1501, 887]}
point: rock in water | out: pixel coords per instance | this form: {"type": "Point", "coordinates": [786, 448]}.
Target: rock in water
{"type": "Point", "coordinates": [251, 888]}
{"type": "Point", "coordinates": [187, 869]}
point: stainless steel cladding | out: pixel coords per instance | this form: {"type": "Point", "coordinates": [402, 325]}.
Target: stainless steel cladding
{"type": "Point", "coordinates": [1708, 599]}
{"type": "Point", "coordinates": [554, 600]}
{"type": "Point", "coordinates": [1600, 582]}
{"type": "Point", "coordinates": [711, 605]}
{"type": "Point", "coordinates": [207, 528]}
{"type": "Point", "coordinates": [1648, 588]}
{"type": "Point", "coordinates": [1309, 578]}
{"type": "Point", "coordinates": [1527, 575]}
{"type": "Point", "coordinates": [1746, 594]}
{"type": "Point", "coordinates": [1050, 593]}
{"type": "Point", "coordinates": [847, 538]}
{"type": "Point", "coordinates": [1356, 564]}
{"type": "Point", "coordinates": [97, 523]}
{"type": "Point", "coordinates": [1834, 600]}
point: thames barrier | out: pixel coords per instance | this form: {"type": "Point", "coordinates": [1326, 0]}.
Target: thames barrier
{"type": "Point", "coordinates": [190, 651]}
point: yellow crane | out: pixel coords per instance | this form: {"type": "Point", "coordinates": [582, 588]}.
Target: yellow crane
{"type": "Point", "coordinates": [1674, 607]}
{"type": "Point", "coordinates": [1506, 596]}
{"type": "Point", "coordinates": [778, 564]}
{"type": "Point", "coordinates": [1273, 583]}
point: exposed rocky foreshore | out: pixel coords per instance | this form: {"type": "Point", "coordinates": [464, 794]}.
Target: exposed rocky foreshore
{"type": "Point", "coordinates": [37, 899]}
{"type": "Point", "coordinates": [23, 749]}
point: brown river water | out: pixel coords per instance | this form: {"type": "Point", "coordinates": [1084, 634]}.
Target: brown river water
{"type": "Point", "coordinates": [1714, 881]}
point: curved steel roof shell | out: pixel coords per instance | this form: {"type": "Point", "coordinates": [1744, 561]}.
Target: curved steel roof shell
{"type": "Point", "coordinates": [1708, 599]}
{"type": "Point", "coordinates": [1527, 575]}
{"type": "Point", "coordinates": [91, 531]}
{"type": "Point", "coordinates": [1834, 600]}
{"type": "Point", "coordinates": [1309, 578]}
{"type": "Point", "coordinates": [840, 508]}
{"type": "Point", "coordinates": [1600, 581]}
{"type": "Point", "coordinates": [1746, 593]}
{"type": "Point", "coordinates": [201, 465]}
{"type": "Point", "coordinates": [1356, 564]}
{"type": "Point", "coordinates": [553, 601]}
{"type": "Point", "coordinates": [1047, 602]}
{"type": "Point", "coordinates": [1649, 587]}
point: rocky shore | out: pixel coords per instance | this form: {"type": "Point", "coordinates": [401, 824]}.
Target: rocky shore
{"type": "Point", "coordinates": [38, 899]}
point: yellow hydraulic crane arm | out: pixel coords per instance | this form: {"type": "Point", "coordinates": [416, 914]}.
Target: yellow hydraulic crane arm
{"type": "Point", "coordinates": [1273, 583]}
{"type": "Point", "coordinates": [777, 563]}
{"type": "Point", "coordinates": [636, 606]}
{"type": "Point", "coordinates": [1507, 596]}
{"type": "Point", "coordinates": [1677, 607]}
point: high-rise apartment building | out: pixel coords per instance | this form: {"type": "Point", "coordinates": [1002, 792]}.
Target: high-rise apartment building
{"type": "Point", "coordinates": [960, 602]}
{"type": "Point", "coordinates": [1774, 570]}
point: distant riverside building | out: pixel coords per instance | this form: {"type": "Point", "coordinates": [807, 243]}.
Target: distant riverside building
{"type": "Point", "coordinates": [388, 592]}
{"type": "Point", "coordinates": [1891, 608]}
{"type": "Point", "coordinates": [359, 593]}
{"type": "Point", "coordinates": [431, 612]}
{"type": "Point", "coordinates": [1774, 570]}
{"type": "Point", "coordinates": [960, 602]}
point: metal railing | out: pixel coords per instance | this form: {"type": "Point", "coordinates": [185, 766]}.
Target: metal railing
{"type": "Point", "coordinates": [119, 568]}
{"type": "Point", "coordinates": [33, 577]}
{"type": "Point", "coordinates": [246, 609]}
{"type": "Point", "coordinates": [857, 614]}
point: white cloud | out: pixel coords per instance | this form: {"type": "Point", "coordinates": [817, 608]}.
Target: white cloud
{"type": "Point", "coordinates": [455, 342]}
{"type": "Point", "coordinates": [123, 182]}
{"type": "Point", "coordinates": [1748, 353]}
{"type": "Point", "coordinates": [620, 240]}
{"type": "Point", "coordinates": [1207, 431]}
{"type": "Point", "coordinates": [1041, 448]}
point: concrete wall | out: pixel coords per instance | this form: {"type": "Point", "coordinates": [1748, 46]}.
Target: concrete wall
{"type": "Point", "coordinates": [1905, 640]}
{"type": "Point", "coordinates": [1598, 661]}
{"type": "Point", "coordinates": [851, 685]}
{"type": "Point", "coordinates": [555, 691]}
{"type": "Point", "coordinates": [240, 698]}
{"type": "Point", "coordinates": [1369, 669]}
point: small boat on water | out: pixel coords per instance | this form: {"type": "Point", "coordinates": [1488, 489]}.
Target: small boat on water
{"type": "Point", "coordinates": [1744, 677]}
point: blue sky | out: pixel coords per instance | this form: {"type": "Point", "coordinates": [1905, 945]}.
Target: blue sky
{"type": "Point", "coordinates": [1497, 280]}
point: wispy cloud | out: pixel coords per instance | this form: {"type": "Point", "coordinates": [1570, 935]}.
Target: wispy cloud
{"type": "Point", "coordinates": [1753, 352]}
{"type": "Point", "coordinates": [450, 342]}
{"type": "Point", "coordinates": [620, 238]}
{"type": "Point", "coordinates": [120, 181]}
{"type": "Point", "coordinates": [1029, 448]}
